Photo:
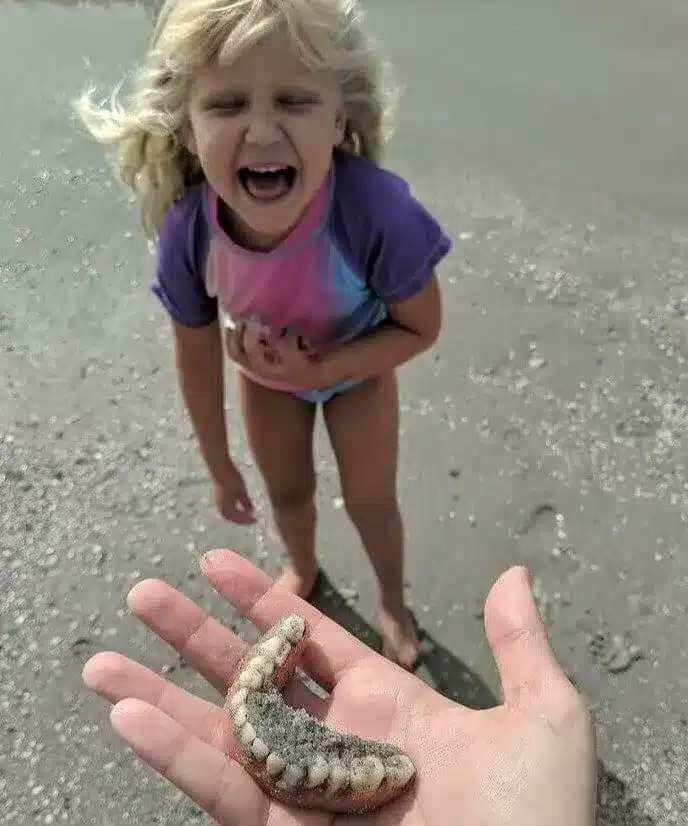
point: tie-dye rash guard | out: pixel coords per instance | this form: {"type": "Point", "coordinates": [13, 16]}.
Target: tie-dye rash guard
{"type": "Point", "coordinates": [363, 242]}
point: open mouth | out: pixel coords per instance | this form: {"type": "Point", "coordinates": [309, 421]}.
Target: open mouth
{"type": "Point", "coordinates": [267, 182]}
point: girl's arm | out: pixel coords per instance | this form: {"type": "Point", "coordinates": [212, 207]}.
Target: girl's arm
{"type": "Point", "coordinates": [199, 362]}
{"type": "Point", "coordinates": [413, 326]}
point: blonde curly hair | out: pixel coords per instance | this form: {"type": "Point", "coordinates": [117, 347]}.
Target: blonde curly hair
{"type": "Point", "coordinates": [146, 130]}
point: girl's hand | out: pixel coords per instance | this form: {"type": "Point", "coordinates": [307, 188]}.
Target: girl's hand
{"type": "Point", "coordinates": [285, 359]}
{"type": "Point", "coordinates": [233, 501]}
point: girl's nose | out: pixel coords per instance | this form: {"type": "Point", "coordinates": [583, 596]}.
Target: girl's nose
{"type": "Point", "coordinates": [263, 128]}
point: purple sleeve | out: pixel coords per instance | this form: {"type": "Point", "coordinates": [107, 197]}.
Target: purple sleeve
{"type": "Point", "coordinates": [390, 239]}
{"type": "Point", "coordinates": [180, 258]}
{"type": "Point", "coordinates": [407, 245]}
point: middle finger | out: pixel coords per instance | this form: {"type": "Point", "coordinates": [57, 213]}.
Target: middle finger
{"type": "Point", "coordinates": [206, 645]}
{"type": "Point", "coordinates": [213, 650]}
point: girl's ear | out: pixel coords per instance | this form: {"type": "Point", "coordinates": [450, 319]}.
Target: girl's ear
{"type": "Point", "coordinates": [188, 138]}
{"type": "Point", "coordinates": [340, 126]}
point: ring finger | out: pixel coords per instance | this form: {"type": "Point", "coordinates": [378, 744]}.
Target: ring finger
{"type": "Point", "coordinates": [115, 677]}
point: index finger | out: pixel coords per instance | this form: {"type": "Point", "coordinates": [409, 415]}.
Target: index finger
{"type": "Point", "coordinates": [330, 650]}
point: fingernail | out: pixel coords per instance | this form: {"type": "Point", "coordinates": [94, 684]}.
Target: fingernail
{"type": "Point", "coordinates": [209, 558]}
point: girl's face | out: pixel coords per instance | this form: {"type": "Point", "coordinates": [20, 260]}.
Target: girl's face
{"type": "Point", "coordinates": [263, 130]}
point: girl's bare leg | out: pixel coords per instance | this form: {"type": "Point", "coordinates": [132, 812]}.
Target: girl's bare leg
{"type": "Point", "coordinates": [363, 426]}
{"type": "Point", "coordinates": [279, 429]}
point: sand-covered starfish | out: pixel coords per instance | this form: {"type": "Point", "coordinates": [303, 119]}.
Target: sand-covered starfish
{"type": "Point", "coordinates": [295, 758]}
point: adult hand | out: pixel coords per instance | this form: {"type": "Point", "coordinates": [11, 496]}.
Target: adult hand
{"type": "Point", "coordinates": [528, 762]}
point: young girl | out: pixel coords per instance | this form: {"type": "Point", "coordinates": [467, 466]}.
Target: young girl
{"type": "Point", "coordinates": [252, 140]}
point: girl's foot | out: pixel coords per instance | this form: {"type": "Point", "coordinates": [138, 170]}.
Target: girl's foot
{"type": "Point", "coordinates": [296, 582]}
{"type": "Point", "coordinates": [399, 638]}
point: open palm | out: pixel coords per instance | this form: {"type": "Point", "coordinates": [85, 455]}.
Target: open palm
{"type": "Point", "coordinates": [468, 762]}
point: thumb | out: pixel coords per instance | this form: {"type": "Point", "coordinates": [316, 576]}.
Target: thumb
{"type": "Point", "coordinates": [232, 343]}
{"type": "Point", "coordinates": [527, 667]}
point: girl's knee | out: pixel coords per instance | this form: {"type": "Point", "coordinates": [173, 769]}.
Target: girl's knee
{"type": "Point", "coordinates": [370, 509]}
{"type": "Point", "coordinates": [292, 498]}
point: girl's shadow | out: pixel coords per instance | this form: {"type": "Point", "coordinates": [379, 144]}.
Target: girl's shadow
{"type": "Point", "coordinates": [456, 681]}
{"type": "Point", "coordinates": [447, 674]}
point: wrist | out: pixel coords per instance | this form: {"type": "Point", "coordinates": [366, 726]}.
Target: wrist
{"type": "Point", "coordinates": [223, 473]}
{"type": "Point", "coordinates": [372, 354]}
{"type": "Point", "coordinates": [327, 369]}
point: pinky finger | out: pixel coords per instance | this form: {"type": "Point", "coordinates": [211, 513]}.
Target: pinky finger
{"type": "Point", "coordinates": [207, 776]}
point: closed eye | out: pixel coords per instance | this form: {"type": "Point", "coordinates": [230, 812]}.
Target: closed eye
{"type": "Point", "coordinates": [293, 102]}
{"type": "Point", "coordinates": [227, 106]}
{"type": "Point", "coordinates": [231, 105]}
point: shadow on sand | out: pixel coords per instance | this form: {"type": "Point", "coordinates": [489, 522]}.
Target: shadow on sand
{"type": "Point", "coordinates": [455, 680]}
{"type": "Point", "coordinates": [447, 674]}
